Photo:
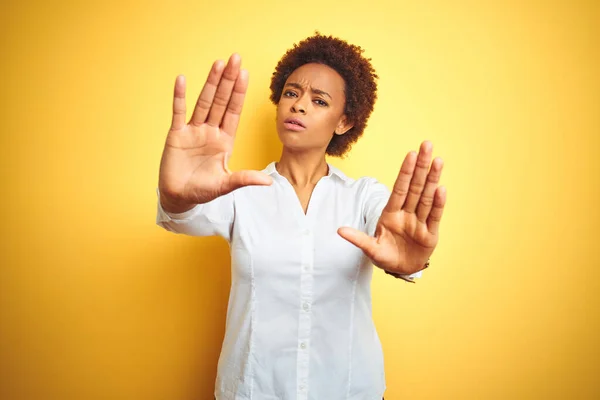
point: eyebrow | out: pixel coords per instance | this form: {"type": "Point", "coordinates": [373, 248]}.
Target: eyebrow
{"type": "Point", "coordinates": [316, 91]}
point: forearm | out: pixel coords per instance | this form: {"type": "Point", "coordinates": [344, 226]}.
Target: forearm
{"type": "Point", "coordinates": [208, 219]}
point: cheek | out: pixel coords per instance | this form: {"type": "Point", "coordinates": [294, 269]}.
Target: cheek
{"type": "Point", "coordinates": [283, 105]}
{"type": "Point", "coordinates": [279, 111]}
{"type": "Point", "coordinates": [331, 120]}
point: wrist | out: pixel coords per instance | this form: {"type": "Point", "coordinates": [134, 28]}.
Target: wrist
{"type": "Point", "coordinates": [174, 207]}
{"type": "Point", "coordinates": [403, 276]}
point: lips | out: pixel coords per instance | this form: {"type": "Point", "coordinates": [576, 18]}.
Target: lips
{"type": "Point", "coordinates": [294, 124]}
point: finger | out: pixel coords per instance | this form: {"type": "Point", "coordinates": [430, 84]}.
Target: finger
{"type": "Point", "coordinates": [435, 216]}
{"type": "Point", "coordinates": [360, 239]}
{"type": "Point", "coordinates": [178, 120]}
{"type": "Point", "coordinates": [207, 94]}
{"type": "Point", "coordinates": [240, 179]}
{"type": "Point", "coordinates": [426, 200]}
{"type": "Point", "coordinates": [417, 183]}
{"type": "Point", "coordinates": [224, 90]}
{"type": "Point", "coordinates": [234, 108]}
{"type": "Point", "coordinates": [400, 189]}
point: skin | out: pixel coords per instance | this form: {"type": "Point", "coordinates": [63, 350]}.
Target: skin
{"type": "Point", "coordinates": [194, 168]}
{"type": "Point", "coordinates": [314, 94]}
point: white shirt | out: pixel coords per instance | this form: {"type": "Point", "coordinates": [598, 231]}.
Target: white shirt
{"type": "Point", "coordinates": [299, 323]}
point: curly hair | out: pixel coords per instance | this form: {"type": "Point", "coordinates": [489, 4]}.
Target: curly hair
{"type": "Point", "coordinates": [347, 60]}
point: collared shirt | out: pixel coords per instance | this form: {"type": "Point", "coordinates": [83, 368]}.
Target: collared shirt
{"type": "Point", "coordinates": [299, 323]}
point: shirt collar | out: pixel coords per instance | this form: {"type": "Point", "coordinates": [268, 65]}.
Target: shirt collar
{"type": "Point", "coordinates": [333, 171]}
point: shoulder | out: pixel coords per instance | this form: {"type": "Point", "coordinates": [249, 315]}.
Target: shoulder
{"type": "Point", "coordinates": [364, 184]}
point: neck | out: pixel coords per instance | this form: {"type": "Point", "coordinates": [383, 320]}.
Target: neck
{"type": "Point", "coordinates": [302, 169]}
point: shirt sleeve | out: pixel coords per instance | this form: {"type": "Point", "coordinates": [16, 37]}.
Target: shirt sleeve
{"type": "Point", "coordinates": [208, 219]}
{"type": "Point", "coordinates": [376, 199]}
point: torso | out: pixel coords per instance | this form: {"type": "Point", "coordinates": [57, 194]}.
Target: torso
{"type": "Point", "coordinates": [299, 314]}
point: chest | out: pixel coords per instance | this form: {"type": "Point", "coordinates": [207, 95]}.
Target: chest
{"type": "Point", "coordinates": [281, 232]}
{"type": "Point", "coordinates": [304, 195]}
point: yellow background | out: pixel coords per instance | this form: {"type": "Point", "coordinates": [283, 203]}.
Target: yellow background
{"type": "Point", "coordinates": [97, 302]}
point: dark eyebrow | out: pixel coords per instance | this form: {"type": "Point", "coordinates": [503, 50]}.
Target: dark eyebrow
{"type": "Point", "coordinates": [316, 91]}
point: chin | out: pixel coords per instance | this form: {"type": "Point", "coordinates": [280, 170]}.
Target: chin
{"type": "Point", "coordinates": [286, 134]}
{"type": "Point", "coordinates": [291, 140]}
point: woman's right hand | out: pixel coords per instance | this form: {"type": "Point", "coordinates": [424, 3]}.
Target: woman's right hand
{"type": "Point", "coordinates": [193, 168]}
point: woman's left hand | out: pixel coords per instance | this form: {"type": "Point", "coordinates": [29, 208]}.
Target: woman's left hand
{"type": "Point", "coordinates": [407, 231]}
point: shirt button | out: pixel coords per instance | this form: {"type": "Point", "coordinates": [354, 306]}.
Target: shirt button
{"type": "Point", "coordinates": [305, 267]}
{"type": "Point", "coordinates": [306, 232]}
{"type": "Point", "coordinates": [302, 387]}
{"type": "Point", "coordinates": [302, 345]}
{"type": "Point", "coordinates": [305, 306]}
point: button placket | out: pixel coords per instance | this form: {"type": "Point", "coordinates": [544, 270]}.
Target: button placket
{"type": "Point", "coordinates": [304, 317]}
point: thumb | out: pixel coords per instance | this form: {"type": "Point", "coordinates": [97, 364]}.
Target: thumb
{"type": "Point", "coordinates": [239, 179]}
{"type": "Point", "coordinates": [360, 239]}
{"type": "Point", "coordinates": [236, 180]}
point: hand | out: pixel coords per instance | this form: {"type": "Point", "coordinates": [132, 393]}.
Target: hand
{"type": "Point", "coordinates": [407, 231]}
{"type": "Point", "coordinates": [193, 167]}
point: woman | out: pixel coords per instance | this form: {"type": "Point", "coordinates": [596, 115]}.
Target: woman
{"type": "Point", "coordinates": [303, 236]}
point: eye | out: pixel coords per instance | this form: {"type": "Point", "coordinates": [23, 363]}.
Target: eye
{"type": "Point", "coordinates": [321, 102]}
{"type": "Point", "coordinates": [289, 93]}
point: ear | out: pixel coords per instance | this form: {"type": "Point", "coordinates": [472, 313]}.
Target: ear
{"type": "Point", "coordinates": [343, 126]}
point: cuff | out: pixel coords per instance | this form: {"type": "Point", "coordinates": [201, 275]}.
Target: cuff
{"type": "Point", "coordinates": [407, 277]}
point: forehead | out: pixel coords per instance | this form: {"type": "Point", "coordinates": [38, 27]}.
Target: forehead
{"type": "Point", "coordinates": [318, 76]}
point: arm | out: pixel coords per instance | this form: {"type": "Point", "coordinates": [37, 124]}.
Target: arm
{"type": "Point", "coordinates": [208, 219]}
{"type": "Point", "coordinates": [376, 199]}
{"type": "Point", "coordinates": [407, 232]}
{"type": "Point", "coordinates": [194, 179]}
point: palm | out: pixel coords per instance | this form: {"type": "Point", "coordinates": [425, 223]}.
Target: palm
{"type": "Point", "coordinates": [407, 230]}
{"type": "Point", "coordinates": [195, 159]}
{"type": "Point", "coordinates": [194, 162]}
{"type": "Point", "coordinates": [404, 241]}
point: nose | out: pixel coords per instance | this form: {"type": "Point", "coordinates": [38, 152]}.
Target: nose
{"type": "Point", "coordinates": [299, 106]}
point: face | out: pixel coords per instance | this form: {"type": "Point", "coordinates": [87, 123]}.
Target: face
{"type": "Point", "coordinates": [311, 108]}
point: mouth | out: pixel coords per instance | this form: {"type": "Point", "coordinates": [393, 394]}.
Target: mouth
{"type": "Point", "coordinates": [294, 124]}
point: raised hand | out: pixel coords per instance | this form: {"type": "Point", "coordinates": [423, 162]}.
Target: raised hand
{"type": "Point", "coordinates": [193, 167]}
{"type": "Point", "coordinates": [407, 231]}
